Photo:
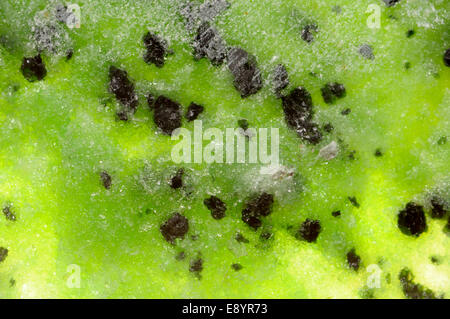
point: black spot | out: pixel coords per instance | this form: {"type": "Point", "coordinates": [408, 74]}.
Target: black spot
{"type": "Point", "coordinates": [177, 180]}
{"type": "Point", "coordinates": [194, 110]}
{"type": "Point", "coordinates": [106, 179]}
{"type": "Point", "coordinates": [435, 260]}
{"type": "Point", "coordinates": [69, 55]}
{"type": "Point", "coordinates": [9, 214]}
{"type": "Point", "coordinates": [437, 208]}
{"type": "Point", "coordinates": [353, 260]}
{"type": "Point", "coordinates": [175, 227]}
{"type": "Point", "coordinates": [156, 50]}
{"type": "Point", "coordinates": [12, 283]}
{"type": "Point", "coordinates": [196, 265]}
{"type": "Point", "coordinates": [256, 208]}
{"type": "Point", "coordinates": [266, 235]}
{"type": "Point", "coordinates": [336, 213]}
{"type": "Point", "coordinates": [123, 89]}
{"type": "Point", "coordinates": [216, 206]}
{"type": "Point", "coordinates": [298, 113]}
{"type": "Point", "coordinates": [447, 57]}
{"type": "Point", "coordinates": [328, 128]}
{"type": "Point", "coordinates": [366, 51]}
{"type": "Point", "coordinates": [352, 155]}
{"type": "Point", "coordinates": [353, 200]}
{"type": "Point", "coordinates": [243, 124]}
{"type": "Point", "coordinates": [308, 32]}
{"type": "Point", "coordinates": [332, 91]}
{"type": "Point", "coordinates": [346, 111]}
{"type": "Point", "coordinates": [3, 254]}
{"type": "Point", "coordinates": [442, 140]}
{"type": "Point", "coordinates": [247, 77]}
{"type": "Point", "coordinates": [167, 114]}
{"type": "Point", "coordinates": [33, 69]}
{"type": "Point", "coordinates": [378, 153]}
{"type": "Point", "coordinates": [241, 239]}
{"type": "Point", "coordinates": [410, 33]}
{"type": "Point", "coordinates": [391, 3]}
{"type": "Point", "coordinates": [411, 220]}
{"type": "Point", "coordinates": [236, 267]}
{"type": "Point", "coordinates": [309, 230]}
{"type": "Point", "coordinates": [280, 79]}
{"type": "Point", "coordinates": [180, 256]}
{"type": "Point", "coordinates": [407, 65]}
{"type": "Point", "coordinates": [411, 289]}
{"type": "Point", "coordinates": [209, 44]}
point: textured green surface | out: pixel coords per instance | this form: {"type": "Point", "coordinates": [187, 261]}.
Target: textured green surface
{"type": "Point", "coordinates": [57, 135]}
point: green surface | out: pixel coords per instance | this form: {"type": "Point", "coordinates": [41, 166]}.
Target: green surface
{"type": "Point", "coordinates": [58, 134]}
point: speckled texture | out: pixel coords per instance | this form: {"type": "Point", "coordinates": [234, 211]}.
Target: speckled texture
{"type": "Point", "coordinates": [59, 134]}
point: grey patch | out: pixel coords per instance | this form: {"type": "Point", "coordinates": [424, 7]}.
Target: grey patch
{"type": "Point", "coordinates": [247, 76]}
{"type": "Point", "coordinates": [61, 13]}
{"type": "Point", "coordinates": [366, 51]}
{"type": "Point", "coordinates": [280, 79]}
{"type": "Point", "coordinates": [308, 32]}
{"type": "Point", "coordinates": [330, 151]}
{"type": "Point", "coordinates": [336, 9]}
{"type": "Point", "coordinates": [195, 14]}
{"type": "Point", "coordinates": [209, 44]}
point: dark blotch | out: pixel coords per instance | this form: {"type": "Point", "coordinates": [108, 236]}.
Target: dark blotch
{"type": "Point", "coordinates": [333, 90]}
{"type": "Point", "coordinates": [411, 220]}
{"type": "Point", "coordinates": [280, 79]}
{"type": "Point", "coordinates": [69, 55]}
{"type": "Point", "coordinates": [33, 69]}
{"type": "Point", "coordinates": [353, 260]}
{"type": "Point", "coordinates": [236, 267]}
{"type": "Point", "coordinates": [407, 65]}
{"type": "Point", "coordinates": [243, 124]}
{"type": "Point", "coordinates": [328, 128]}
{"type": "Point", "coordinates": [156, 50]}
{"type": "Point", "coordinates": [442, 140]}
{"type": "Point", "coordinates": [123, 89]}
{"type": "Point", "coordinates": [298, 113]}
{"type": "Point", "coordinates": [308, 32]}
{"type": "Point", "coordinates": [411, 289]}
{"type": "Point", "coordinates": [391, 3]}
{"type": "Point", "coordinates": [410, 33]}
{"type": "Point", "coordinates": [177, 180]}
{"type": "Point", "coordinates": [354, 201]}
{"type": "Point", "coordinates": [241, 239]}
{"type": "Point", "coordinates": [437, 208]}
{"type": "Point", "coordinates": [346, 111]}
{"type": "Point", "coordinates": [309, 230]}
{"type": "Point", "coordinates": [247, 77]}
{"type": "Point", "coordinates": [378, 153]}
{"type": "Point", "coordinates": [256, 208]}
{"type": "Point", "coordinates": [447, 57]}
{"type": "Point", "coordinates": [167, 114]}
{"type": "Point", "coordinates": [3, 254]}
{"type": "Point", "coordinates": [106, 179]}
{"type": "Point", "coordinates": [336, 213]}
{"type": "Point", "coordinates": [209, 44]}
{"type": "Point", "coordinates": [196, 265]}
{"type": "Point", "coordinates": [266, 235]}
{"type": "Point", "coordinates": [216, 206]}
{"type": "Point", "coordinates": [9, 214]}
{"type": "Point", "coordinates": [194, 110]}
{"type": "Point", "coordinates": [175, 227]}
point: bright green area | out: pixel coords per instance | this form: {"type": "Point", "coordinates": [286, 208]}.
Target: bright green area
{"type": "Point", "coordinates": [59, 134]}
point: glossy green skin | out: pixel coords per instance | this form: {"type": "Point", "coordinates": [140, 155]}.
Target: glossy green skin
{"type": "Point", "coordinates": [57, 135]}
